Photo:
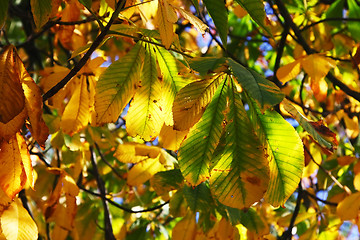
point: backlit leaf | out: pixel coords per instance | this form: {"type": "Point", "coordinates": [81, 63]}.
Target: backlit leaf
{"type": "Point", "coordinates": [205, 65]}
{"type": "Point", "coordinates": [223, 230]}
{"type": "Point", "coordinates": [41, 10]}
{"type": "Point", "coordinates": [285, 153]}
{"type": "Point", "coordinates": [16, 168]}
{"type": "Point", "coordinates": [3, 12]}
{"type": "Point", "coordinates": [185, 229]}
{"type": "Point", "coordinates": [117, 85]}
{"type": "Point", "coordinates": [264, 92]}
{"type": "Point", "coordinates": [289, 71]}
{"type": "Point", "coordinates": [166, 181]}
{"type": "Point", "coordinates": [16, 223]}
{"type": "Point", "coordinates": [11, 94]}
{"type": "Point", "coordinates": [349, 208]}
{"type": "Point", "coordinates": [196, 152]}
{"type": "Point", "coordinates": [166, 17]}
{"type": "Point", "coordinates": [218, 12]}
{"type": "Point", "coordinates": [9, 129]}
{"type": "Point", "coordinates": [317, 66]}
{"type": "Point", "coordinates": [171, 139]}
{"type": "Point", "coordinates": [257, 12]}
{"type": "Point", "coordinates": [146, 116]}
{"type": "Point", "coordinates": [354, 12]}
{"type": "Point", "coordinates": [76, 115]}
{"type": "Point", "coordinates": [198, 198]}
{"type": "Point", "coordinates": [191, 101]}
{"type": "Point", "coordinates": [241, 176]}
{"type": "Point", "coordinates": [200, 26]}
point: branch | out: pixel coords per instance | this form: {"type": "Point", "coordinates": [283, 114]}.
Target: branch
{"type": "Point", "coordinates": [330, 20]}
{"type": "Point", "coordinates": [85, 58]}
{"type": "Point", "coordinates": [320, 200]}
{"type": "Point", "coordinates": [288, 233]}
{"type": "Point", "coordinates": [106, 162]}
{"type": "Point", "coordinates": [300, 39]}
{"type": "Point", "coordinates": [109, 235]}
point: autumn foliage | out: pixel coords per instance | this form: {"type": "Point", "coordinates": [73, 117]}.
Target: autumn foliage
{"type": "Point", "coordinates": [168, 119]}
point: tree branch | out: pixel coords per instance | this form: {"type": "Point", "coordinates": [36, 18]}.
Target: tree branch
{"type": "Point", "coordinates": [106, 162]}
{"type": "Point", "coordinates": [109, 235]}
{"type": "Point", "coordinates": [320, 200]}
{"type": "Point", "coordinates": [87, 55]}
{"type": "Point", "coordinates": [300, 39]}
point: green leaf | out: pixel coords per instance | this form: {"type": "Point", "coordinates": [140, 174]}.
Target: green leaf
{"type": "Point", "coordinates": [86, 3]}
{"type": "Point", "coordinates": [285, 153]}
{"type": "Point", "coordinates": [191, 102]}
{"type": "Point", "coordinates": [335, 11]}
{"type": "Point", "coordinates": [306, 125]}
{"type": "Point", "coordinates": [117, 85]}
{"type": "Point", "coordinates": [256, 10]}
{"type": "Point", "coordinates": [241, 175]}
{"type": "Point", "coordinates": [218, 12]}
{"type": "Point", "coordinates": [41, 10]}
{"type": "Point", "coordinates": [265, 93]}
{"type": "Point", "coordinates": [198, 198]}
{"type": "Point", "coordinates": [3, 11]}
{"type": "Point", "coordinates": [164, 182]}
{"type": "Point", "coordinates": [354, 12]}
{"type": "Point", "coordinates": [146, 116]}
{"type": "Point", "coordinates": [177, 206]}
{"type": "Point", "coordinates": [205, 65]}
{"type": "Point", "coordinates": [172, 81]}
{"type": "Point", "coordinates": [196, 152]}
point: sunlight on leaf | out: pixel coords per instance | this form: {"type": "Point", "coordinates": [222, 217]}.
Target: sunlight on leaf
{"type": "Point", "coordinates": [200, 26]}
{"type": "Point", "coordinates": [196, 152]}
{"type": "Point", "coordinates": [185, 228]}
{"type": "Point", "coordinates": [289, 71]}
{"type": "Point", "coordinates": [117, 85]}
{"type": "Point", "coordinates": [41, 10]}
{"type": "Point", "coordinates": [241, 176]}
{"type": "Point", "coordinates": [16, 223]}
{"type": "Point", "coordinates": [349, 207]}
{"type": "Point", "coordinates": [166, 17]}
{"type": "Point", "coordinates": [171, 139]}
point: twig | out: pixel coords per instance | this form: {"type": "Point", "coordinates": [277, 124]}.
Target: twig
{"type": "Point", "coordinates": [106, 162]}
{"type": "Point", "coordinates": [109, 235]}
{"type": "Point", "coordinates": [330, 20]}
{"type": "Point", "coordinates": [320, 200]}
{"type": "Point", "coordinates": [288, 233]}
{"type": "Point", "coordinates": [87, 55]}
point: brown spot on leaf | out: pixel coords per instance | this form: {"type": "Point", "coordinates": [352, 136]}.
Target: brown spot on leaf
{"type": "Point", "coordinates": [253, 180]}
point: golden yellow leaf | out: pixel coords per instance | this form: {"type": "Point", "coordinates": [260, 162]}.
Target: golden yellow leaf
{"type": "Point", "coordinates": [352, 126]}
{"type": "Point", "coordinates": [289, 71]}
{"type": "Point", "coordinates": [9, 129]}
{"type": "Point", "coordinates": [349, 207]}
{"type": "Point", "coordinates": [4, 201]}
{"type": "Point", "coordinates": [33, 105]}
{"type": "Point", "coordinates": [16, 223]}
{"type": "Point", "coordinates": [77, 113]}
{"type": "Point", "coordinates": [144, 170]}
{"type": "Point", "coordinates": [317, 65]}
{"type": "Point", "coordinates": [223, 230]}
{"type": "Point", "coordinates": [11, 94]}
{"type": "Point", "coordinates": [357, 181]}
{"type": "Point", "coordinates": [185, 229]}
{"type": "Point", "coordinates": [148, 10]}
{"type": "Point", "coordinates": [134, 153]}
{"type": "Point", "coordinates": [170, 138]}
{"type": "Point", "coordinates": [15, 165]}
{"type": "Point", "coordinates": [165, 19]}
{"type": "Point", "coordinates": [201, 27]}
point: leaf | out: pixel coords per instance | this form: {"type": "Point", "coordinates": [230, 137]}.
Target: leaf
{"type": "Point", "coordinates": [41, 10]}
{"type": "Point", "coordinates": [77, 114]}
{"type": "Point", "coordinates": [16, 223]}
{"type": "Point", "coordinates": [241, 176]}
{"type": "Point", "coordinates": [3, 12]}
{"type": "Point", "coordinates": [205, 65]}
{"type": "Point", "coordinates": [264, 92]}
{"type": "Point", "coordinates": [146, 116]}
{"type": "Point", "coordinates": [11, 94]}
{"type": "Point", "coordinates": [354, 12]}
{"type": "Point", "coordinates": [349, 207]}
{"type": "Point", "coordinates": [8, 130]}
{"type": "Point", "coordinates": [171, 139]}
{"type": "Point", "coordinates": [306, 124]}
{"type": "Point", "coordinates": [218, 12]}
{"type": "Point", "coordinates": [256, 10]}
{"type": "Point", "coordinates": [196, 152]}
{"type": "Point", "coordinates": [201, 27]}
{"type": "Point", "coordinates": [117, 85]}
{"type": "Point", "coordinates": [289, 71]}
{"type": "Point", "coordinates": [166, 17]}
{"type": "Point", "coordinates": [191, 101]}
{"type": "Point", "coordinates": [185, 228]}
{"type": "Point", "coordinates": [164, 182]}
{"type": "Point", "coordinates": [16, 168]}
{"type": "Point", "coordinates": [223, 230]}
{"type": "Point", "coordinates": [317, 66]}
{"type": "Point", "coordinates": [198, 198]}
{"type": "Point", "coordinates": [172, 82]}
{"type": "Point", "coordinates": [285, 152]}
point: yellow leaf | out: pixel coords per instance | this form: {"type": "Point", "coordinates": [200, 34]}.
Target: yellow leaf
{"type": "Point", "coordinates": [33, 105]}
{"type": "Point", "coordinates": [144, 170]}
{"type": "Point", "coordinates": [352, 126]}
{"type": "Point", "coordinates": [165, 19]}
{"type": "Point", "coordinates": [185, 229]}
{"type": "Point", "coordinates": [319, 88]}
{"type": "Point", "coordinates": [317, 66]}
{"type": "Point", "coordinates": [16, 223]}
{"type": "Point", "coordinates": [4, 202]}
{"type": "Point", "coordinates": [349, 207]}
{"type": "Point", "coordinates": [148, 10]}
{"type": "Point", "coordinates": [77, 113]}
{"type": "Point", "coordinates": [223, 230]}
{"type": "Point", "coordinates": [201, 27]}
{"type": "Point", "coordinates": [134, 153]}
{"type": "Point", "coordinates": [16, 168]}
{"type": "Point", "coordinates": [170, 138]}
{"type": "Point", "coordinates": [289, 71]}
{"type": "Point", "coordinates": [9, 129]}
{"type": "Point", "coordinates": [357, 181]}
{"type": "Point", "coordinates": [11, 94]}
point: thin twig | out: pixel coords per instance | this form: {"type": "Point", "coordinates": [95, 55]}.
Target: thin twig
{"type": "Point", "coordinates": [106, 162]}
{"type": "Point", "coordinates": [320, 200]}
{"type": "Point", "coordinates": [87, 55]}
{"type": "Point", "coordinates": [330, 20]}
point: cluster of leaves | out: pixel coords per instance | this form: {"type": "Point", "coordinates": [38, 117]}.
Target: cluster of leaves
{"type": "Point", "coordinates": [156, 120]}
